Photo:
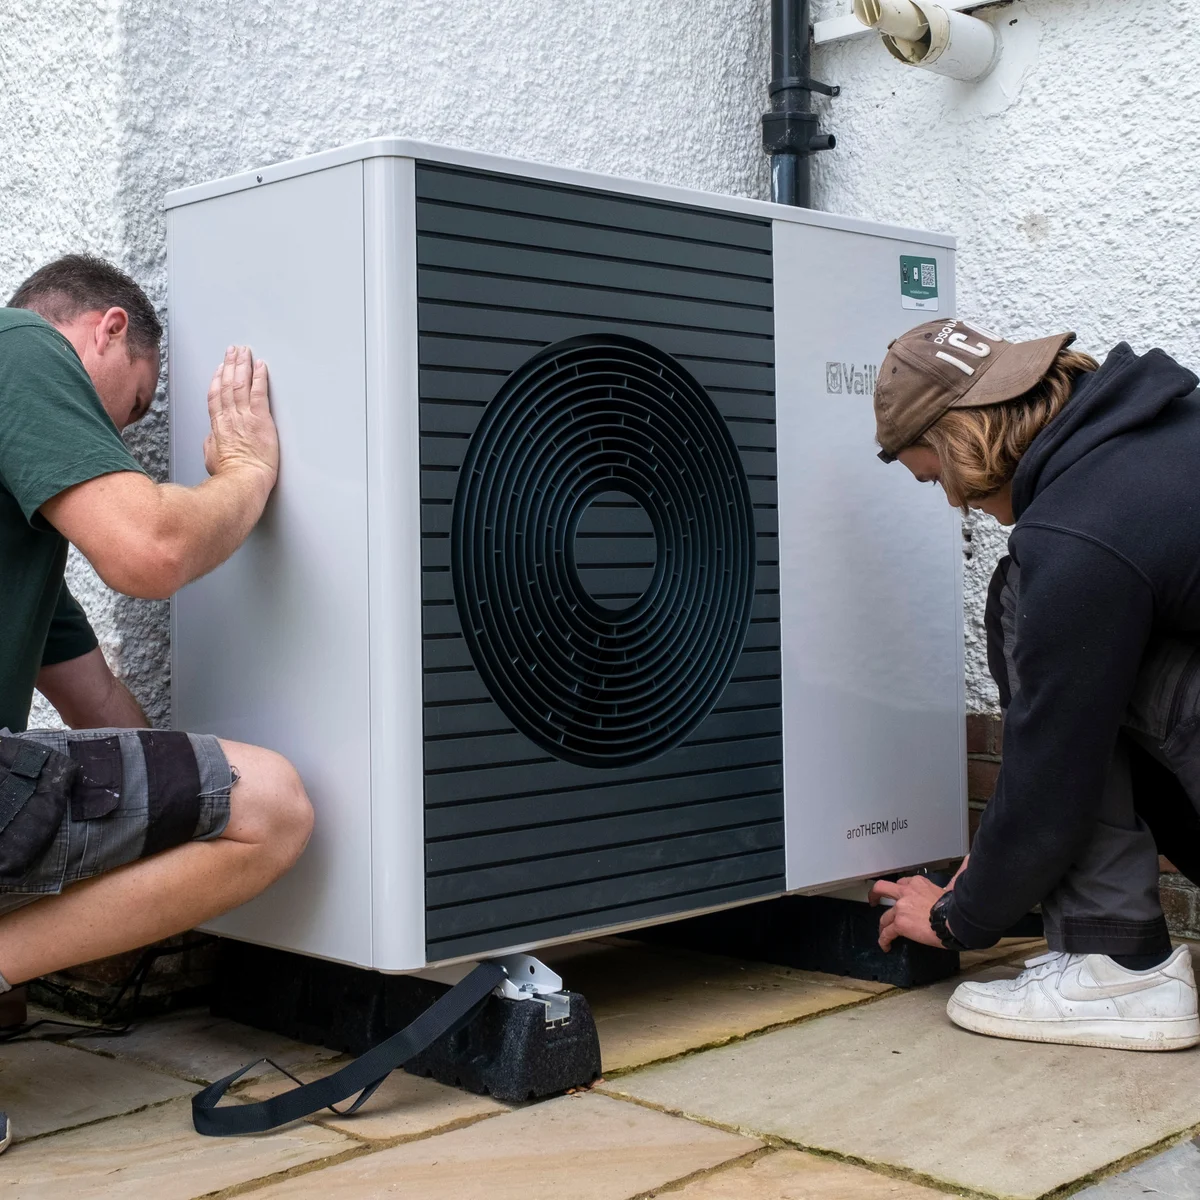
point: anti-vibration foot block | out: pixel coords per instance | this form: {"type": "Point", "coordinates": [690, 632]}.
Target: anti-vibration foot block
{"type": "Point", "coordinates": [514, 1050]}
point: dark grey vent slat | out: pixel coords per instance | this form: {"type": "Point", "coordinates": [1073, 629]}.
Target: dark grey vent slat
{"type": "Point", "coordinates": [440, 485]}
{"type": "Point", "coordinates": [556, 807]}
{"type": "Point", "coordinates": [475, 224]}
{"type": "Point", "coordinates": [764, 491]}
{"type": "Point", "coordinates": [767, 576]}
{"type": "Point", "coordinates": [626, 889]}
{"type": "Point", "coordinates": [523, 841]}
{"type": "Point", "coordinates": [465, 753]}
{"type": "Point", "coordinates": [502, 780]}
{"type": "Point", "coordinates": [557, 299]}
{"type": "Point", "coordinates": [580, 206]}
{"type": "Point", "coordinates": [453, 414]}
{"type": "Point", "coordinates": [763, 637]}
{"type": "Point", "coordinates": [757, 463]}
{"type": "Point", "coordinates": [767, 546]}
{"type": "Point", "coordinates": [757, 693]}
{"type": "Point", "coordinates": [451, 720]}
{"type": "Point", "coordinates": [502, 357]}
{"type": "Point", "coordinates": [757, 664]}
{"type": "Point", "coordinates": [540, 328]}
{"type": "Point", "coordinates": [454, 687]}
{"type": "Point", "coordinates": [769, 883]}
{"type": "Point", "coordinates": [457, 720]}
{"type": "Point", "coordinates": [516, 262]}
{"type": "Point", "coordinates": [570, 837]}
{"type": "Point", "coordinates": [447, 686]}
{"type": "Point", "coordinates": [449, 415]}
{"type": "Point", "coordinates": [498, 882]}
{"type": "Point", "coordinates": [442, 654]}
{"type": "Point", "coordinates": [757, 436]}
{"type": "Point", "coordinates": [437, 587]}
{"type": "Point", "coordinates": [750, 406]}
{"type": "Point", "coordinates": [440, 620]}
{"type": "Point", "coordinates": [765, 607]}
{"type": "Point", "coordinates": [766, 521]}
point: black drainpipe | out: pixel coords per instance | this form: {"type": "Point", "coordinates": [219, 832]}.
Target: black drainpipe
{"type": "Point", "coordinates": [789, 130]}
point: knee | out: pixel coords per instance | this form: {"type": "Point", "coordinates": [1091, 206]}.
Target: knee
{"type": "Point", "coordinates": [291, 813]}
{"type": "Point", "coordinates": [269, 806]}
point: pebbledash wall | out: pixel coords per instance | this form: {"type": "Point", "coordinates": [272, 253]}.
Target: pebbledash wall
{"type": "Point", "coordinates": [1068, 178]}
{"type": "Point", "coordinates": [105, 105]}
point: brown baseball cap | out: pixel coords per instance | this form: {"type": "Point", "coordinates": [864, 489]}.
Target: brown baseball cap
{"type": "Point", "coordinates": [952, 364]}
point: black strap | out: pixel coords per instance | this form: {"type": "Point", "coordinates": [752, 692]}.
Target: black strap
{"type": "Point", "coordinates": [21, 781]}
{"type": "Point", "coordinates": [172, 788]}
{"type": "Point", "coordinates": [448, 1014]}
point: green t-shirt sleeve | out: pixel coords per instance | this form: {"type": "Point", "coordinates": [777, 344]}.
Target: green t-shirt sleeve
{"type": "Point", "coordinates": [70, 633]}
{"type": "Point", "coordinates": [54, 432]}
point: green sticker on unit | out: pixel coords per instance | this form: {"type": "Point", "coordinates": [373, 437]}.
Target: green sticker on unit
{"type": "Point", "coordinates": [919, 283]}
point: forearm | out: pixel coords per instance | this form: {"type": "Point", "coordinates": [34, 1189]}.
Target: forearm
{"type": "Point", "coordinates": [87, 695]}
{"type": "Point", "coordinates": [148, 539]}
{"type": "Point", "coordinates": [200, 527]}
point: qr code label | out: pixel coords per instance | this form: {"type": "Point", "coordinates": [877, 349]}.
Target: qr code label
{"type": "Point", "coordinates": [929, 275]}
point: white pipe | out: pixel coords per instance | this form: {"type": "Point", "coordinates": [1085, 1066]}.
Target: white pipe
{"type": "Point", "coordinates": [950, 43]}
{"type": "Point", "coordinates": [897, 18]}
{"type": "Point", "coordinates": [838, 29]}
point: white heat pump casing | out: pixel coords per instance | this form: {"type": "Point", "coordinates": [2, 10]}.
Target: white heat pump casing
{"type": "Point", "coordinates": [309, 640]}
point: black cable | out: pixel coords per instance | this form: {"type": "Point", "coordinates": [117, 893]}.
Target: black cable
{"type": "Point", "coordinates": [105, 1026]}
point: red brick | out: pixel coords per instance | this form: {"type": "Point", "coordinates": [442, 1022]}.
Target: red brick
{"type": "Point", "coordinates": [1166, 866]}
{"type": "Point", "coordinates": [981, 779]}
{"type": "Point", "coordinates": [974, 816]}
{"type": "Point", "coordinates": [979, 734]}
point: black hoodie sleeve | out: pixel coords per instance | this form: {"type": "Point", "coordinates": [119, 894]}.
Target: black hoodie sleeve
{"type": "Point", "coordinates": [1084, 614]}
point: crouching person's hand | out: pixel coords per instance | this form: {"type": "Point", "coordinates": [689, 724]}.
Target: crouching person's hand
{"type": "Point", "coordinates": [914, 895]}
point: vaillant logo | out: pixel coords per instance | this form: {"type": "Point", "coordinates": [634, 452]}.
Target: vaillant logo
{"type": "Point", "coordinates": [850, 379]}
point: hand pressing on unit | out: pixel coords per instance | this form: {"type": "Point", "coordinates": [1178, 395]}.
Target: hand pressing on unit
{"type": "Point", "coordinates": [914, 896]}
{"type": "Point", "coordinates": [243, 432]}
{"type": "Point", "coordinates": [148, 539]}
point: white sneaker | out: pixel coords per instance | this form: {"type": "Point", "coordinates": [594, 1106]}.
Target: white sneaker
{"type": "Point", "coordinates": [1086, 1000]}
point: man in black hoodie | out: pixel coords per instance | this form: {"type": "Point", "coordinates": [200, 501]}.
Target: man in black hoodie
{"type": "Point", "coordinates": [1094, 641]}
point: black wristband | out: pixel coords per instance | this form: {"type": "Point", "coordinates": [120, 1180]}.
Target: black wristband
{"type": "Point", "coordinates": [940, 925]}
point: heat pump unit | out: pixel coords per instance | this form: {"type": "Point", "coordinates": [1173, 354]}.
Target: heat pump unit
{"type": "Point", "coordinates": [583, 601]}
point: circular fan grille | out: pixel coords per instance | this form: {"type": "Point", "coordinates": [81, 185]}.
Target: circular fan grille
{"type": "Point", "coordinates": [593, 424]}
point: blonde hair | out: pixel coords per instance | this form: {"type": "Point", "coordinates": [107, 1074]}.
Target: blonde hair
{"type": "Point", "coordinates": [979, 448]}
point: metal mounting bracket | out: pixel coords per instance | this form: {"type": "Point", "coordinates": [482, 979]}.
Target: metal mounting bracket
{"type": "Point", "coordinates": [807, 85]}
{"type": "Point", "coordinates": [528, 978]}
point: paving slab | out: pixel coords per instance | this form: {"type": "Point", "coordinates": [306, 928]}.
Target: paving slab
{"type": "Point", "coordinates": [46, 1087]}
{"type": "Point", "coordinates": [155, 1154]}
{"type": "Point", "coordinates": [199, 1046]}
{"type": "Point", "coordinates": [790, 1175]}
{"type": "Point", "coordinates": [655, 1002]}
{"type": "Point", "coordinates": [1172, 1175]}
{"type": "Point", "coordinates": [1005, 950]}
{"type": "Point", "coordinates": [588, 1147]}
{"type": "Point", "coordinates": [404, 1106]}
{"type": "Point", "coordinates": [895, 1082]}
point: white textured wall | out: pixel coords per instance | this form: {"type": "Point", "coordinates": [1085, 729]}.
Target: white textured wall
{"type": "Point", "coordinates": [60, 99]}
{"type": "Point", "coordinates": [1075, 205]}
{"type": "Point", "coordinates": [140, 96]}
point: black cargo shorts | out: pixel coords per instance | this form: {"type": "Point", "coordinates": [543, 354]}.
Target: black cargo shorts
{"type": "Point", "coordinates": [124, 794]}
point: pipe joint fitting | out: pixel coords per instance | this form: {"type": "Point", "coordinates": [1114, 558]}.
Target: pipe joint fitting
{"type": "Point", "coordinates": [920, 33]}
{"type": "Point", "coordinates": [793, 132]}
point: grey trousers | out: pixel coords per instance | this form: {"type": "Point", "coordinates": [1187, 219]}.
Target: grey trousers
{"type": "Point", "coordinates": [1107, 902]}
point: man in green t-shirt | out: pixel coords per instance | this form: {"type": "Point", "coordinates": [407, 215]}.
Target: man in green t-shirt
{"type": "Point", "coordinates": [122, 835]}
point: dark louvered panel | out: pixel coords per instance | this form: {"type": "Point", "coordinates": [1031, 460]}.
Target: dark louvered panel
{"type": "Point", "coordinates": [647, 780]}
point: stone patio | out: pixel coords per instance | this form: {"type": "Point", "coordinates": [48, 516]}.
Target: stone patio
{"type": "Point", "coordinates": [725, 1081]}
